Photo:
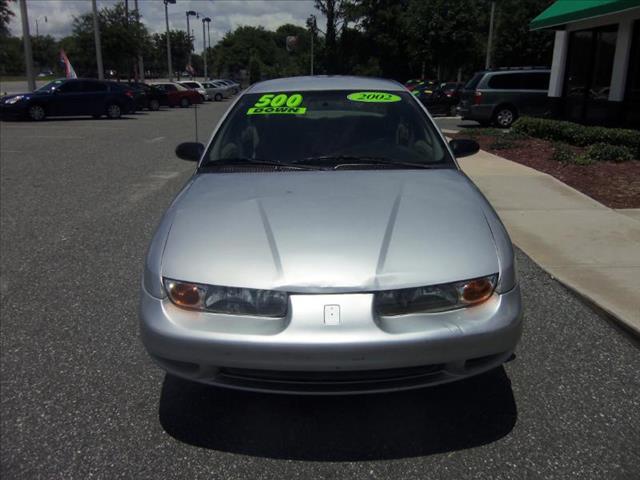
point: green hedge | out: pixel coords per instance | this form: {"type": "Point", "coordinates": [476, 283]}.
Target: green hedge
{"type": "Point", "coordinates": [579, 135]}
{"type": "Point", "coordinates": [603, 152]}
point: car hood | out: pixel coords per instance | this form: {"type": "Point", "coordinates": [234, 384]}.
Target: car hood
{"type": "Point", "coordinates": [333, 231]}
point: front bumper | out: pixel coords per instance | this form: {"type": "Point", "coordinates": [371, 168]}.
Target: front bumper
{"type": "Point", "coordinates": [302, 354]}
{"type": "Point", "coordinates": [475, 112]}
{"type": "Point", "coordinates": [13, 110]}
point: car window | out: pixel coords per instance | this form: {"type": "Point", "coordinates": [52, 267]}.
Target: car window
{"type": "Point", "coordinates": [506, 81]}
{"type": "Point", "coordinates": [475, 80]}
{"type": "Point", "coordinates": [190, 84]}
{"type": "Point", "coordinates": [70, 87]}
{"type": "Point", "coordinates": [89, 86]}
{"type": "Point", "coordinates": [51, 86]}
{"type": "Point", "coordinates": [536, 81]}
{"type": "Point", "coordinates": [171, 87]}
{"type": "Point", "coordinates": [290, 127]}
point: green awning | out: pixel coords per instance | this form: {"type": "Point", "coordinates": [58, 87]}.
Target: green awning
{"type": "Point", "coordinates": [566, 11]}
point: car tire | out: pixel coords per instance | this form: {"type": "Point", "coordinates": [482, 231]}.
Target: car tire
{"type": "Point", "coordinates": [453, 111]}
{"type": "Point", "coordinates": [37, 113]}
{"type": "Point", "coordinates": [218, 97]}
{"type": "Point", "coordinates": [114, 111]}
{"type": "Point", "coordinates": [185, 102]}
{"type": "Point", "coordinates": [504, 116]}
{"type": "Point", "coordinates": [154, 105]}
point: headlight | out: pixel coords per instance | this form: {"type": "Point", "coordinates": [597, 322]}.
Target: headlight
{"type": "Point", "coordinates": [434, 298]}
{"type": "Point", "coordinates": [13, 100]}
{"type": "Point", "coordinates": [228, 300]}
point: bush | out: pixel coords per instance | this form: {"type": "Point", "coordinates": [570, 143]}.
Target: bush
{"type": "Point", "coordinates": [582, 159]}
{"type": "Point", "coordinates": [603, 152]}
{"type": "Point", "coordinates": [502, 144]}
{"type": "Point", "coordinates": [579, 135]}
{"type": "Point", "coordinates": [563, 152]}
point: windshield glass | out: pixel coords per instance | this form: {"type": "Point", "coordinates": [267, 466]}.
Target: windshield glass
{"type": "Point", "coordinates": [50, 86]}
{"type": "Point", "coordinates": [289, 127]}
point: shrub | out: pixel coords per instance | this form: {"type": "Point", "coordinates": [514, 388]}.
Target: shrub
{"type": "Point", "coordinates": [563, 152]}
{"type": "Point", "coordinates": [602, 152]}
{"type": "Point", "coordinates": [502, 144]}
{"type": "Point", "coordinates": [580, 135]}
{"type": "Point", "coordinates": [582, 159]}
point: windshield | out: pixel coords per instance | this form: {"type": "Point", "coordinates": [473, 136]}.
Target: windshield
{"type": "Point", "coordinates": [293, 127]}
{"type": "Point", "coordinates": [50, 86]}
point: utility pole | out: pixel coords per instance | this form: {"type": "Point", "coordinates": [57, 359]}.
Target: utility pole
{"type": "Point", "coordinates": [190, 13]}
{"type": "Point", "coordinates": [208, 35]}
{"type": "Point", "coordinates": [140, 61]}
{"type": "Point", "coordinates": [26, 39]}
{"type": "Point", "coordinates": [204, 41]}
{"type": "Point", "coordinates": [487, 63]}
{"type": "Point", "coordinates": [166, 19]}
{"type": "Point", "coordinates": [96, 33]}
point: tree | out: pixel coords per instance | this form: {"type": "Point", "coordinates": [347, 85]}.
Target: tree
{"type": "Point", "coordinates": [514, 44]}
{"type": "Point", "coordinates": [180, 46]}
{"type": "Point", "coordinates": [5, 18]}
{"type": "Point", "coordinates": [45, 52]}
{"type": "Point", "coordinates": [335, 12]}
{"type": "Point", "coordinates": [120, 35]}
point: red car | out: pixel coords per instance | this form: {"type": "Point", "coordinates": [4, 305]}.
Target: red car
{"type": "Point", "coordinates": [178, 95]}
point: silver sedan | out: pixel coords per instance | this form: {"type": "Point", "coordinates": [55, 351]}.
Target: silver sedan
{"type": "Point", "coordinates": [328, 242]}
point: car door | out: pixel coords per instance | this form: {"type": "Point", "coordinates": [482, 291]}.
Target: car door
{"type": "Point", "coordinates": [535, 88]}
{"type": "Point", "coordinates": [95, 94]}
{"type": "Point", "coordinates": [67, 98]}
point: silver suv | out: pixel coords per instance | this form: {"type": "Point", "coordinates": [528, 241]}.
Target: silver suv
{"type": "Point", "coordinates": [501, 96]}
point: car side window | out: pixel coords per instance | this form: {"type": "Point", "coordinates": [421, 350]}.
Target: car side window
{"type": "Point", "coordinates": [94, 87]}
{"type": "Point", "coordinates": [536, 81]}
{"type": "Point", "coordinates": [506, 81]}
{"type": "Point", "coordinates": [170, 88]}
{"type": "Point", "coordinates": [70, 87]}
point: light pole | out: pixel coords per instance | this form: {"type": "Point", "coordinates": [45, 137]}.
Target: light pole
{"type": "Point", "coordinates": [204, 41]}
{"type": "Point", "coordinates": [37, 30]}
{"type": "Point", "coordinates": [96, 34]}
{"type": "Point", "coordinates": [140, 61]}
{"type": "Point", "coordinates": [208, 35]}
{"type": "Point", "coordinates": [190, 13]}
{"type": "Point", "coordinates": [166, 19]}
{"type": "Point", "coordinates": [26, 37]}
{"type": "Point", "coordinates": [311, 23]}
{"type": "Point", "coordinates": [487, 62]}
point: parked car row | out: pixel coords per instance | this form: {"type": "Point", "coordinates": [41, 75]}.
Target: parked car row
{"type": "Point", "coordinates": [97, 98]}
{"type": "Point", "coordinates": [491, 96]}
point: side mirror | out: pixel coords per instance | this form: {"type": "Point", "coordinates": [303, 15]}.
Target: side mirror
{"type": "Point", "coordinates": [190, 151]}
{"type": "Point", "coordinates": [463, 147]}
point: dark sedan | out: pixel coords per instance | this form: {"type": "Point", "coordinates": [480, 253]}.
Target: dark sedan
{"type": "Point", "coordinates": [442, 100]}
{"type": "Point", "coordinates": [70, 97]}
{"type": "Point", "coordinates": [149, 96]}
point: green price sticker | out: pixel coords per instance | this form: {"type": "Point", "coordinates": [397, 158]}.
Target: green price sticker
{"type": "Point", "coordinates": [373, 97]}
{"type": "Point", "coordinates": [280, 103]}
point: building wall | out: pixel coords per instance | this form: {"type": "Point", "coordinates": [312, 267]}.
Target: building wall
{"type": "Point", "coordinates": [621, 60]}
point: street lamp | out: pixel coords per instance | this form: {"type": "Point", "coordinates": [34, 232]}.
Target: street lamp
{"type": "Point", "coordinates": [166, 19]}
{"type": "Point", "coordinates": [204, 42]}
{"type": "Point", "coordinates": [313, 27]}
{"type": "Point", "coordinates": [96, 35]}
{"type": "Point", "coordinates": [37, 30]}
{"type": "Point", "coordinates": [190, 13]}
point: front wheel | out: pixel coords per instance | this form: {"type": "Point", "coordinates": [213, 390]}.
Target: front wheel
{"type": "Point", "coordinates": [218, 97]}
{"type": "Point", "coordinates": [184, 103]}
{"type": "Point", "coordinates": [452, 111]}
{"type": "Point", "coordinates": [154, 105]}
{"type": "Point", "coordinates": [114, 111]}
{"type": "Point", "coordinates": [504, 117]}
{"type": "Point", "coordinates": [37, 113]}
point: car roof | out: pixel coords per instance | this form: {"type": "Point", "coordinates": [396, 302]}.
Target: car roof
{"type": "Point", "coordinates": [325, 82]}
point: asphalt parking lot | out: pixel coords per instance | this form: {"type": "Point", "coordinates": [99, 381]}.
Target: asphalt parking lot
{"type": "Point", "coordinates": [79, 200]}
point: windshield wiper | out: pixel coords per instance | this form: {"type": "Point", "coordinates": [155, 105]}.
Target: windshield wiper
{"type": "Point", "coordinates": [363, 160]}
{"type": "Point", "coordinates": [243, 161]}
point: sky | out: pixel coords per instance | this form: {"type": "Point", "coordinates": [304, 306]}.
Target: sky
{"type": "Point", "coordinates": [226, 15]}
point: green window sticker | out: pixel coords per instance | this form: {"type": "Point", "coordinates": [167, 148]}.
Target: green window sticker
{"type": "Point", "coordinates": [278, 103]}
{"type": "Point", "coordinates": [373, 97]}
